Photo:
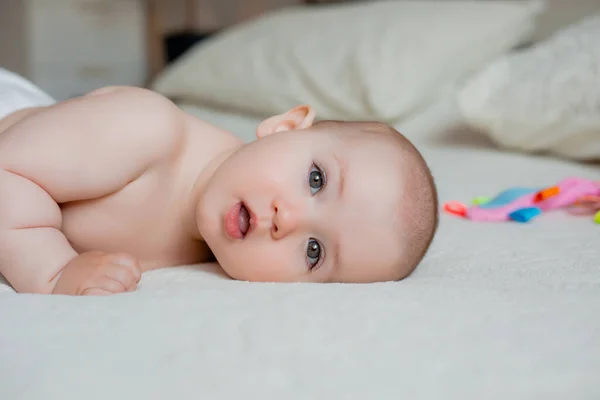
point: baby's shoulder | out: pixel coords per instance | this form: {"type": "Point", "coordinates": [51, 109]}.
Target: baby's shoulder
{"type": "Point", "coordinates": [150, 114]}
{"type": "Point", "coordinates": [136, 101]}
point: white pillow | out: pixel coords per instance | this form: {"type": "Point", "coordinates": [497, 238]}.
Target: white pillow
{"type": "Point", "coordinates": [544, 99]}
{"type": "Point", "coordinates": [376, 60]}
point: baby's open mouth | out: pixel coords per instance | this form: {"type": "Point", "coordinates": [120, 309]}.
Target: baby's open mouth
{"type": "Point", "coordinates": [237, 221]}
{"type": "Point", "coordinates": [243, 220]}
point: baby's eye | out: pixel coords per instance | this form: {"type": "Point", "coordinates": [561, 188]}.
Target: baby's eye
{"type": "Point", "coordinates": [316, 179]}
{"type": "Point", "coordinates": [313, 253]}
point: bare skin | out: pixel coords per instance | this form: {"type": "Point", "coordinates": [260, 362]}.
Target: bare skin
{"type": "Point", "coordinates": [55, 212]}
{"type": "Point", "coordinates": [96, 190]}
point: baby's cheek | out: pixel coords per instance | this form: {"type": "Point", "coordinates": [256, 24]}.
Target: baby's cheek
{"type": "Point", "coordinates": [266, 262]}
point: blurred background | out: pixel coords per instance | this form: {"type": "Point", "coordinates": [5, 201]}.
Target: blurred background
{"type": "Point", "coordinates": [69, 47]}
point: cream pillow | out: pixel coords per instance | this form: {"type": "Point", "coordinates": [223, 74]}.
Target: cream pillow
{"type": "Point", "coordinates": [376, 60]}
{"type": "Point", "coordinates": [544, 99]}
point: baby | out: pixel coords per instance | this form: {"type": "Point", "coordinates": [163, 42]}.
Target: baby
{"type": "Point", "coordinates": [96, 190]}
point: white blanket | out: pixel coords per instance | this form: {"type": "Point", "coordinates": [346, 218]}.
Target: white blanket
{"type": "Point", "coordinates": [497, 311]}
{"type": "Point", "coordinates": [17, 93]}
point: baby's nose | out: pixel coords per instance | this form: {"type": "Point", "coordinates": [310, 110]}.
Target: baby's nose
{"type": "Point", "coordinates": [287, 218]}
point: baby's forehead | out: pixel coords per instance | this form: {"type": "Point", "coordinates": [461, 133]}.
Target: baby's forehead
{"type": "Point", "coordinates": [388, 177]}
{"type": "Point", "coordinates": [376, 151]}
{"type": "Point", "coordinates": [370, 246]}
{"type": "Point", "coordinates": [372, 195]}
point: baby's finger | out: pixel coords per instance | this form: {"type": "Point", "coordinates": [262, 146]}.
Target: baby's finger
{"type": "Point", "coordinates": [123, 275]}
{"type": "Point", "coordinates": [130, 262]}
{"type": "Point", "coordinates": [107, 283]}
{"type": "Point", "coordinates": [95, 292]}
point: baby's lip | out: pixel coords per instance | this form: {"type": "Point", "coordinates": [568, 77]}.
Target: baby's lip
{"type": "Point", "coordinates": [231, 222]}
{"type": "Point", "coordinates": [252, 220]}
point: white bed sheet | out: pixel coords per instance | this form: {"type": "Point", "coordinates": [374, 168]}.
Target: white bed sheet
{"type": "Point", "coordinates": [497, 311]}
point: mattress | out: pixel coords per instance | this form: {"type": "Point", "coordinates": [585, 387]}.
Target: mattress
{"type": "Point", "coordinates": [496, 311]}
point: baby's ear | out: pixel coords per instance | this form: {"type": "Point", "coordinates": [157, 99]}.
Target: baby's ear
{"type": "Point", "coordinates": [300, 117]}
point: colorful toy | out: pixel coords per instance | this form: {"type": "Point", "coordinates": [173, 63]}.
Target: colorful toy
{"type": "Point", "coordinates": [477, 201]}
{"type": "Point", "coordinates": [456, 208]}
{"type": "Point", "coordinates": [580, 196]}
{"type": "Point", "coordinates": [524, 214]}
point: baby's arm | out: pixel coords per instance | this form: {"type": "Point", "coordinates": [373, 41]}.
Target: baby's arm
{"type": "Point", "coordinates": [80, 149]}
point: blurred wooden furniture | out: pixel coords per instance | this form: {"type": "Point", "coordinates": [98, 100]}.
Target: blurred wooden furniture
{"type": "Point", "coordinates": [157, 29]}
{"type": "Point", "coordinates": [154, 34]}
{"type": "Point", "coordinates": [70, 47]}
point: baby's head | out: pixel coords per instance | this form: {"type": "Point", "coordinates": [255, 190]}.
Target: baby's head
{"type": "Point", "coordinates": [325, 202]}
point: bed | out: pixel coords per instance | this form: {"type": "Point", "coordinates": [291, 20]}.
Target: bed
{"type": "Point", "coordinates": [496, 311]}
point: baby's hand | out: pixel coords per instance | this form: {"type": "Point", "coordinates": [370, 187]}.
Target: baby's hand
{"type": "Point", "coordinates": [98, 273]}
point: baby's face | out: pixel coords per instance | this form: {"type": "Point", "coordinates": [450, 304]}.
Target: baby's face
{"type": "Point", "coordinates": [305, 205]}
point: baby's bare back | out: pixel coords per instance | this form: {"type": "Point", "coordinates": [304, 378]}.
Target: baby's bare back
{"type": "Point", "coordinates": [97, 173]}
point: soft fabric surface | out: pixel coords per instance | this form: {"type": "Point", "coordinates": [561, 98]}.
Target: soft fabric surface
{"type": "Point", "coordinates": [543, 99]}
{"type": "Point", "coordinates": [497, 311]}
{"type": "Point", "coordinates": [17, 92]}
{"type": "Point", "coordinates": [376, 60]}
